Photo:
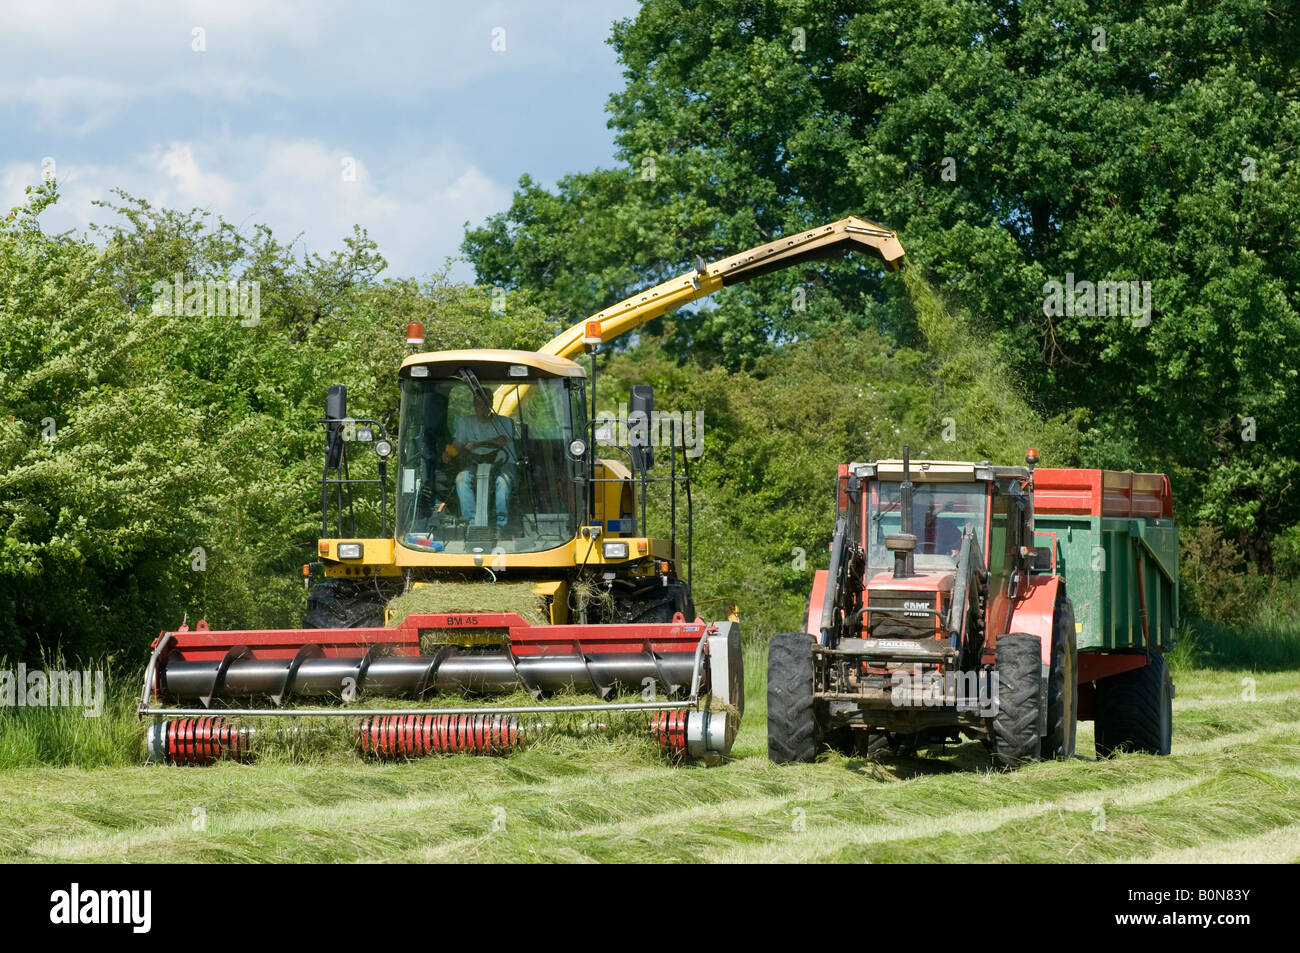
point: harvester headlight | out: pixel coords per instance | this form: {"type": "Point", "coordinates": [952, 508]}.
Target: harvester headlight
{"type": "Point", "coordinates": [614, 550]}
{"type": "Point", "coordinates": [578, 447]}
{"type": "Point", "coordinates": [349, 550]}
{"type": "Point", "coordinates": [384, 448]}
{"type": "Point", "coordinates": [419, 370]}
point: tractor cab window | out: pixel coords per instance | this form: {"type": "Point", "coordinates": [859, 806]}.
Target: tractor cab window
{"type": "Point", "coordinates": [485, 464]}
{"type": "Point", "coordinates": [940, 513]}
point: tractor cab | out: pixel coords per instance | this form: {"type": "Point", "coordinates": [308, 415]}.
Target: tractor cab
{"type": "Point", "coordinates": [940, 618]}
{"type": "Point", "coordinates": [914, 534]}
{"type": "Point", "coordinates": [947, 502]}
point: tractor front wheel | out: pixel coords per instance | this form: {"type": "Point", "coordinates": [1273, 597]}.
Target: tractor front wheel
{"type": "Point", "coordinates": [792, 733]}
{"type": "Point", "coordinates": [1062, 685]}
{"type": "Point", "coordinates": [1013, 730]}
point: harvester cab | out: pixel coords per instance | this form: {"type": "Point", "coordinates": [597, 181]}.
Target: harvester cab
{"type": "Point", "coordinates": [522, 489]}
{"type": "Point", "coordinates": [498, 478]}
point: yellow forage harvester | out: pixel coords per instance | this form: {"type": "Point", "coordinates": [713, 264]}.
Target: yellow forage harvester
{"type": "Point", "coordinates": [504, 472]}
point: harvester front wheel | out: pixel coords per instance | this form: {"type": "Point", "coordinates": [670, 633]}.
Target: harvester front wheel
{"type": "Point", "coordinates": [1013, 730]}
{"type": "Point", "coordinates": [1135, 710]}
{"type": "Point", "coordinates": [1062, 685]}
{"type": "Point", "coordinates": [791, 719]}
{"type": "Point", "coordinates": [657, 603]}
{"type": "Point", "coordinates": [343, 604]}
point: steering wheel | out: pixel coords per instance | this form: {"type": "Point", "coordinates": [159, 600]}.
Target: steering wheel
{"type": "Point", "coordinates": [488, 454]}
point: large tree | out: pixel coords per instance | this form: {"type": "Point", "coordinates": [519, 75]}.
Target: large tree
{"type": "Point", "coordinates": [1012, 144]}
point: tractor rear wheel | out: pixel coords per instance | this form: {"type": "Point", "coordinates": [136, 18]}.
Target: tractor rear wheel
{"type": "Point", "coordinates": [343, 604]}
{"type": "Point", "coordinates": [1018, 669]}
{"type": "Point", "coordinates": [1135, 710]}
{"type": "Point", "coordinates": [792, 733]}
{"type": "Point", "coordinates": [1062, 685]}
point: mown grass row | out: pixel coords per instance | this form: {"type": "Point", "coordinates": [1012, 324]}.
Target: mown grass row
{"type": "Point", "coordinates": [598, 804]}
{"type": "Point", "coordinates": [1233, 776]}
{"type": "Point", "coordinates": [64, 736]}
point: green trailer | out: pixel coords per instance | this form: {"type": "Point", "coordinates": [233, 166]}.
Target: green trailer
{"type": "Point", "coordinates": [1111, 537]}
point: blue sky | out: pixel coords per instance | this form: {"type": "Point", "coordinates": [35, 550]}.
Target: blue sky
{"type": "Point", "coordinates": [260, 124]}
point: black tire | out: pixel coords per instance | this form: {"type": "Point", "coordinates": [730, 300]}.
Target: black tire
{"type": "Point", "coordinates": [1135, 710]}
{"type": "Point", "coordinates": [1013, 730]}
{"type": "Point", "coordinates": [1062, 685]}
{"type": "Point", "coordinates": [343, 604]}
{"type": "Point", "coordinates": [792, 733]}
{"type": "Point", "coordinates": [842, 739]}
{"type": "Point", "coordinates": [898, 743]}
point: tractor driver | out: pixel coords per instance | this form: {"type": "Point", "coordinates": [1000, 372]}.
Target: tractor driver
{"type": "Point", "coordinates": [484, 437]}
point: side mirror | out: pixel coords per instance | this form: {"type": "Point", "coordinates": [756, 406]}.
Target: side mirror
{"type": "Point", "coordinates": [336, 408]}
{"type": "Point", "coordinates": [640, 414]}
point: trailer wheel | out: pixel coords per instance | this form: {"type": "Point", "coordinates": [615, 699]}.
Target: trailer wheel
{"type": "Point", "coordinates": [342, 604]}
{"type": "Point", "coordinates": [791, 718]}
{"type": "Point", "coordinates": [1135, 710]}
{"type": "Point", "coordinates": [1014, 730]}
{"type": "Point", "coordinates": [1062, 685]}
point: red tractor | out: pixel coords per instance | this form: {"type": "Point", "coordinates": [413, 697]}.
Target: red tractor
{"type": "Point", "coordinates": [942, 616]}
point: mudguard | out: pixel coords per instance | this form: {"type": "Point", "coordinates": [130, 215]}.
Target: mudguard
{"type": "Point", "coordinates": [1035, 611]}
{"type": "Point", "coordinates": [812, 621]}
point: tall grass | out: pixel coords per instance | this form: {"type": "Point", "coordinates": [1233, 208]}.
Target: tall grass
{"type": "Point", "coordinates": [1265, 639]}
{"type": "Point", "coordinates": [72, 736]}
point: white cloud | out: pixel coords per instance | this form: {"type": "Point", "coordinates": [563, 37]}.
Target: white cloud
{"type": "Point", "coordinates": [413, 205]}
{"type": "Point", "coordinates": [257, 125]}
{"type": "Point", "coordinates": [403, 52]}
{"type": "Point", "coordinates": [185, 184]}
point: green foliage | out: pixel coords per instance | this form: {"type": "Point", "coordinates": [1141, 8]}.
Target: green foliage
{"type": "Point", "coordinates": [1009, 146]}
{"type": "Point", "coordinates": [775, 434]}
{"type": "Point", "coordinates": [1286, 553]}
{"type": "Point", "coordinates": [1216, 582]}
{"type": "Point", "coordinates": [155, 466]}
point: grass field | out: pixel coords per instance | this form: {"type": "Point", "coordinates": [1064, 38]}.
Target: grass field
{"type": "Point", "coordinates": [1230, 792]}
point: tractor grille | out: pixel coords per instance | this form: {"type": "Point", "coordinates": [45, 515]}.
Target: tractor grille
{"type": "Point", "coordinates": [900, 615]}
